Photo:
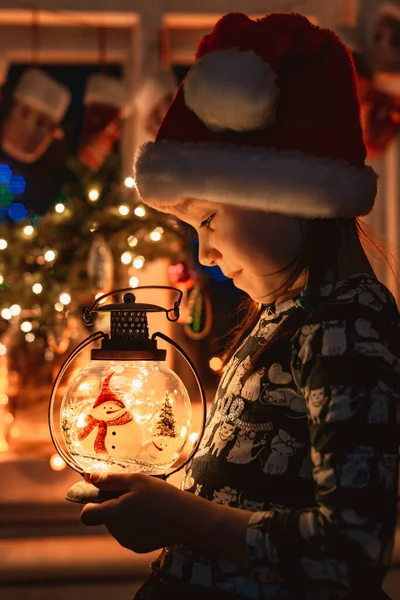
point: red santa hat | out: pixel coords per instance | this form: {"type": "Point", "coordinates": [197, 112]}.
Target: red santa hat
{"type": "Point", "coordinates": [107, 395]}
{"type": "Point", "coordinates": [267, 118]}
{"type": "Point", "coordinates": [43, 93]}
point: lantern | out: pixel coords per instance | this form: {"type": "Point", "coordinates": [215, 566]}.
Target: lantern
{"type": "Point", "coordinates": [125, 410]}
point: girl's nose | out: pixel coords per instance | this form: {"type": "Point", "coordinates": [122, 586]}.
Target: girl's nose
{"type": "Point", "coordinates": [208, 254]}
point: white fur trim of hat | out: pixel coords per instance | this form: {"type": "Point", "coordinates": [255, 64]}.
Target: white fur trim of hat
{"type": "Point", "coordinates": [276, 181]}
{"type": "Point", "coordinates": [232, 90]}
{"type": "Point", "coordinates": [43, 93]}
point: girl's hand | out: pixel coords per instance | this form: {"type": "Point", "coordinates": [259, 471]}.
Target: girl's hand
{"type": "Point", "coordinates": [144, 518]}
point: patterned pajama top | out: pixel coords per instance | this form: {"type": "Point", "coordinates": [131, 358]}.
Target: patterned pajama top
{"type": "Point", "coordinates": [309, 444]}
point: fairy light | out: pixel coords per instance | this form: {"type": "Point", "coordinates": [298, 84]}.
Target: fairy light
{"type": "Point", "coordinates": [133, 282]}
{"type": "Point", "coordinates": [49, 255]}
{"type": "Point", "coordinates": [37, 288]}
{"type": "Point", "coordinates": [8, 418]}
{"type": "Point", "coordinates": [3, 349]}
{"type": "Point", "coordinates": [132, 241]}
{"type": "Point", "coordinates": [124, 210]}
{"type": "Point", "coordinates": [30, 337]}
{"type": "Point", "coordinates": [3, 244]}
{"type": "Point", "coordinates": [3, 399]}
{"type": "Point", "coordinates": [6, 313]}
{"type": "Point", "coordinates": [1, 279]}
{"type": "Point", "coordinates": [26, 326]}
{"type": "Point", "coordinates": [57, 463]}
{"type": "Point", "coordinates": [3, 446]}
{"type": "Point", "coordinates": [59, 208]}
{"type": "Point", "coordinates": [130, 182]}
{"type": "Point", "coordinates": [215, 363]}
{"type": "Point", "coordinates": [93, 194]}
{"type": "Point", "coordinates": [15, 432]}
{"type": "Point", "coordinates": [59, 306]}
{"type": "Point", "coordinates": [65, 298]}
{"type": "Point", "coordinates": [126, 258]}
{"type": "Point", "coordinates": [140, 211]}
{"type": "Point", "coordinates": [28, 230]}
{"type": "Point", "coordinates": [193, 437]}
{"type": "Point", "coordinates": [155, 236]}
{"type": "Point", "coordinates": [15, 310]}
{"type": "Point", "coordinates": [138, 262]}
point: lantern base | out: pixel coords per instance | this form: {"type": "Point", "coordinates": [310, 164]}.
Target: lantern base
{"type": "Point", "coordinates": [83, 493]}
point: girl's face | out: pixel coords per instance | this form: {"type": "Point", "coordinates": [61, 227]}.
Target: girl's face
{"type": "Point", "coordinates": [251, 247]}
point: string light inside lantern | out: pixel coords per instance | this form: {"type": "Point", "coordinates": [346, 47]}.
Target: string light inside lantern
{"type": "Point", "coordinates": [3, 244]}
{"type": "Point", "coordinates": [49, 255]}
{"type": "Point", "coordinates": [132, 241]}
{"type": "Point", "coordinates": [124, 210]}
{"type": "Point", "coordinates": [138, 262]}
{"type": "Point", "coordinates": [130, 182]}
{"type": "Point", "coordinates": [37, 288]}
{"type": "Point", "coordinates": [65, 298]}
{"type": "Point", "coordinates": [28, 230]}
{"type": "Point", "coordinates": [26, 326]}
{"type": "Point", "coordinates": [126, 258]}
{"type": "Point", "coordinates": [140, 211]}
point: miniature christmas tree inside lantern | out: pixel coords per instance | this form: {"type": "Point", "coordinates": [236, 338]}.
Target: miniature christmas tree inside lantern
{"type": "Point", "coordinates": [126, 410]}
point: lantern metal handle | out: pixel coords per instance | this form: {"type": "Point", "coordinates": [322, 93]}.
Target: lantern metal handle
{"type": "Point", "coordinates": [92, 338]}
{"type": "Point", "coordinates": [89, 313]}
{"type": "Point", "coordinates": [202, 396]}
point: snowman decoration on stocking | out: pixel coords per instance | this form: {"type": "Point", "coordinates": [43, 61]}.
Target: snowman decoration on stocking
{"type": "Point", "coordinates": [109, 428]}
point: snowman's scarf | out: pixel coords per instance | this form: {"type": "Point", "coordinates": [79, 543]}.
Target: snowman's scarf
{"type": "Point", "coordinates": [99, 443]}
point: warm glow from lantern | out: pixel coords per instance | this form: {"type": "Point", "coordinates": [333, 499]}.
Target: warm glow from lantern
{"type": "Point", "coordinates": [140, 211]}
{"type": "Point", "coordinates": [6, 313]}
{"type": "Point", "coordinates": [138, 262]}
{"type": "Point", "coordinates": [93, 195]}
{"type": "Point", "coordinates": [193, 437]}
{"type": "Point", "coordinates": [15, 309]}
{"type": "Point", "coordinates": [26, 326]}
{"type": "Point", "coordinates": [3, 244]}
{"type": "Point", "coordinates": [37, 288]}
{"type": "Point", "coordinates": [130, 182]}
{"type": "Point", "coordinates": [215, 363]}
{"type": "Point", "coordinates": [84, 387]}
{"type": "Point", "coordinates": [126, 258]}
{"type": "Point", "coordinates": [28, 230]}
{"type": "Point", "coordinates": [49, 255]}
{"type": "Point", "coordinates": [59, 208]}
{"type": "Point", "coordinates": [57, 463]}
{"type": "Point", "coordinates": [133, 282]}
{"type": "Point", "coordinates": [65, 298]}
{"type": "Point", "coordinates": [124, 210]}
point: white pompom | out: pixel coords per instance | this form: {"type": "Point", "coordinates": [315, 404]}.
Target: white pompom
{"type": "Point", "coordinates": [232, 90]}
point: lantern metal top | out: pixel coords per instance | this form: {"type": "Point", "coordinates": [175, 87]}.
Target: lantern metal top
{"type": "Point", "coordinates": [129, 339]}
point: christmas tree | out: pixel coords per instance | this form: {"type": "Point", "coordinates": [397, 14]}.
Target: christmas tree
{"type": "Point", "coordinates": [166, 420]}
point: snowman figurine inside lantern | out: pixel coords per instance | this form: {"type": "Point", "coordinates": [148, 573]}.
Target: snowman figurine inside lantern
{"type": "Point", "coordinates": [126, 410]}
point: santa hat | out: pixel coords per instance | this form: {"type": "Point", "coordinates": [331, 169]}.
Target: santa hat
{"type": "Point", "coordinates": [267, 118]}
{"type": "Point", "coordinates": [107, 395]}
{"type": "Point", "coordinates": [43, 93]}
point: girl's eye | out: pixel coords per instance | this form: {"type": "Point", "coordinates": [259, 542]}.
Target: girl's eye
{"type": "Point", "coordinates": [206, 222]}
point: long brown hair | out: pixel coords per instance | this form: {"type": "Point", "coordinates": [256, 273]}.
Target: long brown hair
{"type": "Point", "coordinates": [322, 251]}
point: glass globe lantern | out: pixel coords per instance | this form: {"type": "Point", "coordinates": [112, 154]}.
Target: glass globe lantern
{"type": "Point", "coordinates": [125, 410]}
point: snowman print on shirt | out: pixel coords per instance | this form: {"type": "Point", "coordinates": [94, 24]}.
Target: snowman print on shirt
{"type": "Point", "coordinates": [108, 427]}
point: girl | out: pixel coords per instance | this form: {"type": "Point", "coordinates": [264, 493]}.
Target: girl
{"type": "Point", "coordinates": [293, 491]}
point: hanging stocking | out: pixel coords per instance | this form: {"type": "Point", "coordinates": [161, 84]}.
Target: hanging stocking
{"type": "Point", "coordinates": [106, 99]}
{"type": "Point", "coordinates": [40, 102]}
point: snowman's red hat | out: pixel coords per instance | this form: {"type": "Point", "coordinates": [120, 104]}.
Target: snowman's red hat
{"type": "Point", "coordinates": [107, 395]}
{"type": "Point", "coordinates": [268, 118]}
